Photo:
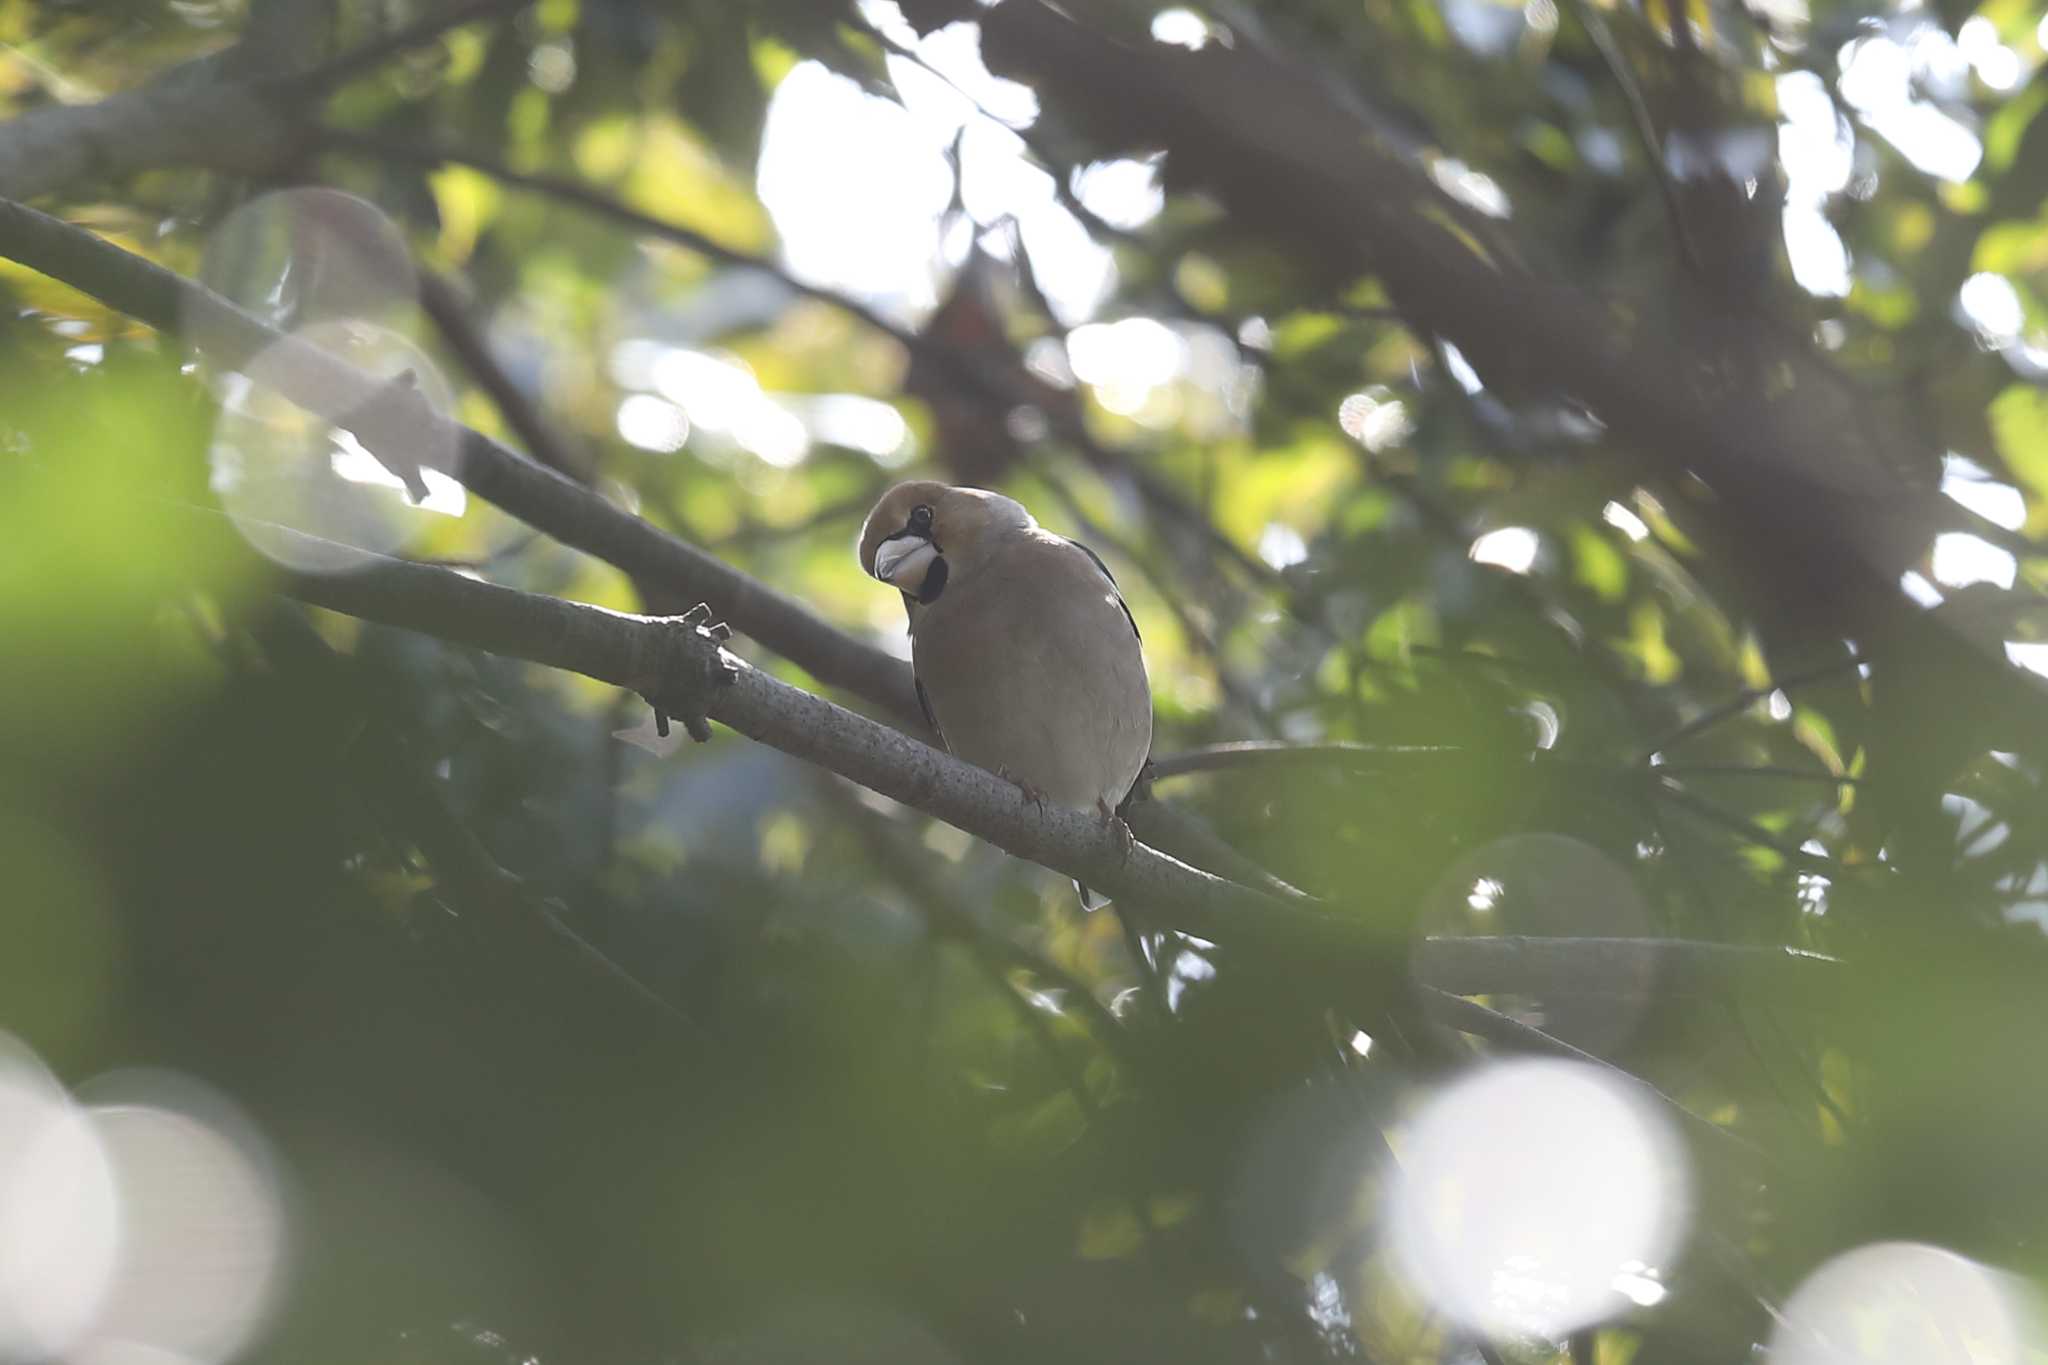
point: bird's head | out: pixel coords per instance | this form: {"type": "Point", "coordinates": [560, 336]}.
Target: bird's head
{"type": "Point", "coordinates": [923, 533]}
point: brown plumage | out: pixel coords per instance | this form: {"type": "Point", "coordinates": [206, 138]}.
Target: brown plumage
{"type": "Point", "coordinates": [1027, 660]}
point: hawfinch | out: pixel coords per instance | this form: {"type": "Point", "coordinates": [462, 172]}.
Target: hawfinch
{"type": "Point", "coordinates": [1027, 660]}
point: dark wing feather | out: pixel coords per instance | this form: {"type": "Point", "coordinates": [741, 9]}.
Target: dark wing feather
{"type": "Point", "coordinates": [924, 704]}
{"type": "Point", "coordinates": [1112, 583]}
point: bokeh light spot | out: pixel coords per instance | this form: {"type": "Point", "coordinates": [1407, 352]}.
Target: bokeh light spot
{"type": "Point", "coordinates": [1180, 28]}
{"type": "Point", "coordinates": [202, 1223]}
{"type": "Point", "coordinates": [1536, 1197]}
{"type": "Point", "coordinates": [855, 185]}
{"type": "Point", "coordinates": [59, 1224]}
{"type": "Point", "coordinates": [1375, 420]}
{"type": "Point", "coordinates": [1992, 306]}
{"type": "Point", "coordinates": [303, 256]}
{"type": "Point", "coordinates": [1961, 559]}
{"type": "Point", "coordinates": [296, 464]}
{"type": "Point", "coordinates": [1511, 547]}
{"type": "Point", "coordinates": [1905, 1303]}
{"type": "Point", "coordinates": [652, 423]}
{"type": "Point", "coordinates": [1998, 503]}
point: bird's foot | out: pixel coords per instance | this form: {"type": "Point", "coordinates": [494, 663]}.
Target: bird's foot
{"type": "Point", "coordinates": [1030, 793]}
{"type": "Point", "coordinates": [1126, 841]}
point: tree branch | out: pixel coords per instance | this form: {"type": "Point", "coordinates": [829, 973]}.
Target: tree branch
{"type": "Point", "coordinates": [993, 385]}
{"type": "Point", "coordinates": [1356, 757]}
{"type": "Point", "coordinates": [1559, 968]}
{"type": "Point", "coordinates": [394, 421]}
{"type": "Point", "coordinates": [442, 302]}
{"type": "Point", "coordinates": [1469, 1016]}
{"type": "Point", "coordinates": [209, 112]}
{"type": "Point", "coordinates": [412, 152]}
{"type": "Point", "coordinates": [476, 882]}
{"type": "Point", "coordinates": [1831, 493]}
{"type": "Point", "coordinates": [680, 667]}
{"type": "Point", "coordinates": [347, 66]}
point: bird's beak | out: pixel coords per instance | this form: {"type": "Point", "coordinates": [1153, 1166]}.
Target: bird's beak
{"type": "Point", "coordinates": [902, 560]}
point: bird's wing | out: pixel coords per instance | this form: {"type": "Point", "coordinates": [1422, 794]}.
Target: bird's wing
{"type": "Point", "coordinates": [924, 704]}
{"type": "Point", "coordinates": [1029, 672]}
{"type": "Point", "coordinates": [1112, 582]}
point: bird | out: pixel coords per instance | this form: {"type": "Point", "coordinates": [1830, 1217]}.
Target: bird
{"type": "Point", "coordinates": [1027, 660]}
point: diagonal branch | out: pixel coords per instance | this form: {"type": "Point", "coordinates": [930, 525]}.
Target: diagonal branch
{"type": "Point", "coordinates": [442, 301]}
{"type": "Point", "coordinates": [542, 498]}
{"type": "Point", "coordinates": [478, 884]}
{"type": "Point", "coordinates": [208, 112]}
{"type": "Point", "coordinates": [682, 669]}
{"type": "Point", "coordinates": [1469, 1016]}
{"type": "Point", "coordinates": [678, 666]}
{"type": "Point", "coordinates": [997, 387]}
{"type": "Point", "coordinates": [1834, 494]}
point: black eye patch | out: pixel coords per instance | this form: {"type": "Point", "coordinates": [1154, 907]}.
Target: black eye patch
{"type": "Point", "coordinates": [920, 519]}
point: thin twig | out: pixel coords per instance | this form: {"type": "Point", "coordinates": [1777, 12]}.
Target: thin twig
{"type": "Point", "coordinates": [545, 500]}
{"type": "Point", "coordinates": [443, 304]}
{"type": "Point", "coordinates": [464, 866]}
{"type": "Point", "coordinates": [752, 535]}
{"type": "Point", "coordinates": [324, 78]}
{"type": "Point", "coordinates": [1815, 1082]}
{"type": "Point", "coordinates": [1263, 753]}
{"type": "Point", "coordinates": [1748, 697]}
{"type": "Point", "coordinates": [386, 148]}
{"type": "Point", "coordinates": [1645, 126]}
{"type": "Point", "coordinates": [1752, 832]}
{"type": "Point", "coordinates": [1469, 1016]}
{"type": "Point", "coordinates": [989, 951]}
{"type": "Point", "coordinates": [984, 381]}
{"type": "Point", "coordinates": [1757, 770]}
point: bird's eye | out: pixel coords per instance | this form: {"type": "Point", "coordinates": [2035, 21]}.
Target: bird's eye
{"type": "Point", "coordinates": [921, 518]}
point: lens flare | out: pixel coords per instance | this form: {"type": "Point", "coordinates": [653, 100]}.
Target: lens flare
{"type": "Point", "coordinates": [60, 1233]}
{"type": "Point", "coordinates": [202, 1223]}
{"type": "Point", "coordinates": [1904, 1303]}
{"type": "Point", "coordinates": [1537, 1197]}
{"type": "Point", "coordinates": [1539, 886]}
{"type": "Point", "coordinates": [302, 256]}
{"type": "Point", "coordinates": [289, 456]}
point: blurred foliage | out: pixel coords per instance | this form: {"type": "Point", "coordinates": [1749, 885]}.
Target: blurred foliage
{"type": "Point", "coordinates": [271, 849]}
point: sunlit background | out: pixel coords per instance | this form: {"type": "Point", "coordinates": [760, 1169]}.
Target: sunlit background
{"type": "Point", "coordinates": [365, 998]}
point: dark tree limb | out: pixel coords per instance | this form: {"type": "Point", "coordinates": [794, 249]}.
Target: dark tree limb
{"type": "Point", "coordinates": [214, 111]}
{"type": "Point", "coordinates": [1469, 1016]}
{"type": "Point", "coordinates": [998, 387]}
{"type": "Point", "coordinates": [476, 883]}
{"type": "Point", "coordinates": [1265, 753]}
{"type": "Point", "coordinates": [395, 423]}
{"type": "Point", "coordinates": [1558, 968]}
{"type": "Point", "coordinates": [1808, 468]}
{"type": "Point", "coordinates": [680, 666]}
{"type": "Point", "coordinates": [441, 299]}
{"type": "Point", "coordinates": [679, 663]}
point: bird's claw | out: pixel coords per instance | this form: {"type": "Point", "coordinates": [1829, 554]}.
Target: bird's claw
{"type": "Point", "coordinates": [722, 671]}
{"type": "Point", "coordinates": [1125, 840]}
{"type": "Point", "coordinates": [1029, 792]}
{"type": "Point", "coordinates": [700, 617]}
